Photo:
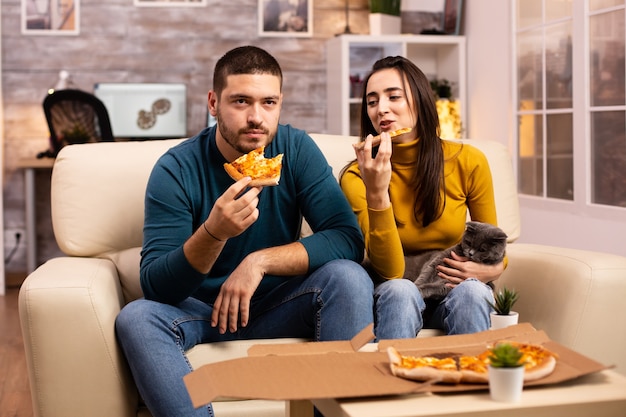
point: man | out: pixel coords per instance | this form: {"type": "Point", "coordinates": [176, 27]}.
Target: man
{"type": "Point", "coordinates": [222, 260]}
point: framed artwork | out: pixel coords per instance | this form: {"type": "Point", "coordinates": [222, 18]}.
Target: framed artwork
{"type": "Point", "coordinates": [50, 17]}
{"type": "Point", "coordinates": [286, 18]}
{"type": "Point", "coordinates": [452, 12]}
{"type": "Point", "coordinates": [170, 3]}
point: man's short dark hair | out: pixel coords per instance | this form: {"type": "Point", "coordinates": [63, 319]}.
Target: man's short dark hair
{"type": "Point", "coordinates": [244, 60]}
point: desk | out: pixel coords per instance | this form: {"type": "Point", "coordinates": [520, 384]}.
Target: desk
{"type": "Point", "coordinates": [602, 394]}
{"type": "Point", "coordinates": [29, 165]}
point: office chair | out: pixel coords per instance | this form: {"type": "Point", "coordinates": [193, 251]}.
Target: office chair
{"type": "Point", "coordinates": [75, 116]}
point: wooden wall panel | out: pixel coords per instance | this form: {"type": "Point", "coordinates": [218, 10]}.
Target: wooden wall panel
{"type": "Point", "coordinates": [122, 43]}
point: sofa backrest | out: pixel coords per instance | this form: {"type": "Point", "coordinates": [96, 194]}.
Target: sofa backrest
{"type": "Point", "coordinates": [98, 196]}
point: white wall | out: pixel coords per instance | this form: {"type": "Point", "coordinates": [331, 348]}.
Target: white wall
{"type": "Point", "coordinates": [490, 78]}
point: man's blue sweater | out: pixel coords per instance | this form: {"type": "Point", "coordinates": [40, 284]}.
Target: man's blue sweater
{"type": "Point", "coordinates": [187, 180]}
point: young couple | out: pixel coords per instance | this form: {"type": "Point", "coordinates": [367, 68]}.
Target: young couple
{"type": "Point", "coordinates": [223, 261]}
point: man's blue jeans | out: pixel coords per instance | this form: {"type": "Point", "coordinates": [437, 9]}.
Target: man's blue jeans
{"type": "Point", "coordinates": [333, 303]}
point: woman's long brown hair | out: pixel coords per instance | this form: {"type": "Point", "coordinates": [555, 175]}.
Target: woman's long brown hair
{"type": "Point", "coordinates": [429, 178]}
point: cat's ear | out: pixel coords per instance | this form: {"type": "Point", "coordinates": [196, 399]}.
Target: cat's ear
{"type": "Point", "coordinates": [471, 226]}
{"type": "Point", "coordinates": [502, 235]}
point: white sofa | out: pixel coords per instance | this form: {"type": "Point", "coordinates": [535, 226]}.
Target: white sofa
{"type": "Point", "coordinates": [69, 304]}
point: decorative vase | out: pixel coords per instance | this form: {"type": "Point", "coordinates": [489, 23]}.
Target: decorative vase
{"type": "Point", "coordinates": [384, 24]}
{"type": "Point", "coordinates": [506, 384]}
{"type": "Point", "coordinates": [500, 321]}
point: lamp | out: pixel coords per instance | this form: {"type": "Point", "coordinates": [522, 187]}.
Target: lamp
{"type": "Point", "coordinates": [449, 118]}
{"type": "Point", "coordinates": [64, 82]}
{"type": "Point", "coordinates": [448, 109]}
{"type": "Point", "coordinates": [347, 12]}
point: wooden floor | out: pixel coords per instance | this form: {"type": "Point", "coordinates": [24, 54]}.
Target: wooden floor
{"type": "Point", "coordinates": [15, 400]}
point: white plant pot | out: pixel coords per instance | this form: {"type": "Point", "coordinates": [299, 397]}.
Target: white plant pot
{"type": "Point", "coordinates": [384, 24]}
{"type": "Point", "coordinates": [499, 321]}
{"type": "Point", "coordinates": [506, 384]}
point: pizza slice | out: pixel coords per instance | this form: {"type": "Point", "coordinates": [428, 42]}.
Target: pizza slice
{"type": "Point", "coordinates": [376, 139]}
{"type": "Point", "coordinates": [263, 171]}
{"type": "Point", "coordinates": [538, 361]}
{"type": "Point", "coordinates": [424, 368]}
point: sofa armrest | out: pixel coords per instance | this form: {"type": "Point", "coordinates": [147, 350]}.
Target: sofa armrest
{"type": "Point", "coordinates": [67, 311]}
{"type": "Point", "coordinates": [576, 296]}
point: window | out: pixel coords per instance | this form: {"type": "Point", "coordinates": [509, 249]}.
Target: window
{"type": "Point", "coordinates": [607, 102]}
{"type": "Point", "coordinates": [570, 100]}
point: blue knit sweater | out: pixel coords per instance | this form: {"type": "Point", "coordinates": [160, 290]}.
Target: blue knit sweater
{"type": "Point", "coordinates": [187, 180]}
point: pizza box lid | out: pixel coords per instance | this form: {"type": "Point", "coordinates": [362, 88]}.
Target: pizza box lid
{"type": "Point", "coordinates": [352, 369]}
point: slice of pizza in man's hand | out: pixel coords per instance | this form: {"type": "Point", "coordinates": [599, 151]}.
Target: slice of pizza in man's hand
{"type": "Point", "coordinates": [263, 171]}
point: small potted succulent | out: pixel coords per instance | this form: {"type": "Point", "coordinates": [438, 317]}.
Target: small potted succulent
{"type": "Point", "coordinates": [503, 315]}
{"type": "Point", "coordinates": [506, 372]}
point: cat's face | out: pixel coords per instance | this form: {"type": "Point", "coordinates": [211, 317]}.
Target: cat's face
{"type": "Point", "coordinates": [483, 243]}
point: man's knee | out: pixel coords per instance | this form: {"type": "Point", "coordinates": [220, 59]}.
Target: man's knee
{"type": "Point", "coordinates": [349, 274]}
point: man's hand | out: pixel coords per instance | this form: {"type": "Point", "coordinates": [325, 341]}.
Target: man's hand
{"type": "Point", "coordinates": [233, 212]}
{"type": "Point", "coordinates": [232, 305]}
{"type": "Point", "coordinates": [457, 269]}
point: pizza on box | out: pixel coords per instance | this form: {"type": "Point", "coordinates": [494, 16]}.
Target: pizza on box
{"type": "Point", "coordinates": [452, 368]}
{"type": "Point", "coordinates": [263, 171]}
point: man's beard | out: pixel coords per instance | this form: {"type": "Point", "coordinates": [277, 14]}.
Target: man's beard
{"type": "Point", "coordinates": [232, 137]}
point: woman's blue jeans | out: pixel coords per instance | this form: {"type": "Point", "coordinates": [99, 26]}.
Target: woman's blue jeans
{"type": "Point", "coordinates": [399, 309]}
{"type": "Point", "coordinates": [333, 303]}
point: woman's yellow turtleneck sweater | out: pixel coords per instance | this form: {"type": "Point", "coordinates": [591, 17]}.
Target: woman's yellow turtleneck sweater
{"type": "Point", "coordinates": [392, 232]}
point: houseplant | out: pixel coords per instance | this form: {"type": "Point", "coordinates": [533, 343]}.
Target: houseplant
{"type": "Point", "coordinates": [442, 88]}
{"type": "Point", "coordinates": [506, 373]}
{"type": "Point", "coordinates": [76, 134]}
{"type": "Point", "coordinates": [503, 315]}
{"type": "Point", "coordinates": [385, 17]}
{"type": "Point", "coordinates": [390, 7]}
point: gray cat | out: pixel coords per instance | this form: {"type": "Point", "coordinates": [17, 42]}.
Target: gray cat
{"type": "Point", "coordinates": [482, 243]}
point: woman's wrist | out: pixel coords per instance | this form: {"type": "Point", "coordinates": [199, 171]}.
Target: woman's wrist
{"type": "Point", "coordinates": [378, 202]}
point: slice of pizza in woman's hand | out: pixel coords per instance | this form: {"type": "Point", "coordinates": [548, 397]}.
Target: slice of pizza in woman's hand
{"type": "Point", "coordinates": [263, 171]}
{"type": "Point", "coordinates": [376, 139]}
{"type": "Point", "coordinates": [539, 362]}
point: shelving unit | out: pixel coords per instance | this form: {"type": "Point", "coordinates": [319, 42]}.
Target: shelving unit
{"type": "Point", "coordinates": [438, 56]}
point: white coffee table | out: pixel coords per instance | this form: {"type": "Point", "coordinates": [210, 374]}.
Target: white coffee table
{"type": "Point", "coordinates": [601, 394]}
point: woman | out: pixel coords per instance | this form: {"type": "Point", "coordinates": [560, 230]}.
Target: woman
{"type": "Point", "coordinates": [412, 195]}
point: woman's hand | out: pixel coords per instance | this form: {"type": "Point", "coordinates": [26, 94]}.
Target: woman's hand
{"type": "Point", "coordinates": [376, 172]}
{"type": "Point", "coordinates": [457, 269]}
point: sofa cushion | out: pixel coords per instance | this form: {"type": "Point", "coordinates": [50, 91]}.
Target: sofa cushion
{"type": "Point", "coordinates": [127, 263]}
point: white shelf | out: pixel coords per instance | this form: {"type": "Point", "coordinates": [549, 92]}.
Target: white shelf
{"type": "Point", "coordinates": [438, 56]}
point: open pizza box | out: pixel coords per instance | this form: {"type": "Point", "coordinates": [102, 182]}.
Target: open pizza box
{"type": "Point", "coordinates": [350, 369]}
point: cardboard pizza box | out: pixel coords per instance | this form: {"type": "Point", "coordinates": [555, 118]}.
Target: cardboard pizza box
{"type": "Point", "coordinates": [355, 368]}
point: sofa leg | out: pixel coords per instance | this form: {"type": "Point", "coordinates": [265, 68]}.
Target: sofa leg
{"type": "Point", "coordinates": [298, 408]}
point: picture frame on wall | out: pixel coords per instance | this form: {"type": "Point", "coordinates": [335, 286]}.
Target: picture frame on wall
{"type": "Point", "coordinates": [50, 17]}
{"type": "Point", "coordinates": [170, 3]}
{"type": "Point", "coordinates": [290, 18]}
{"type": "Point", "coordinates": [451, 19]}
